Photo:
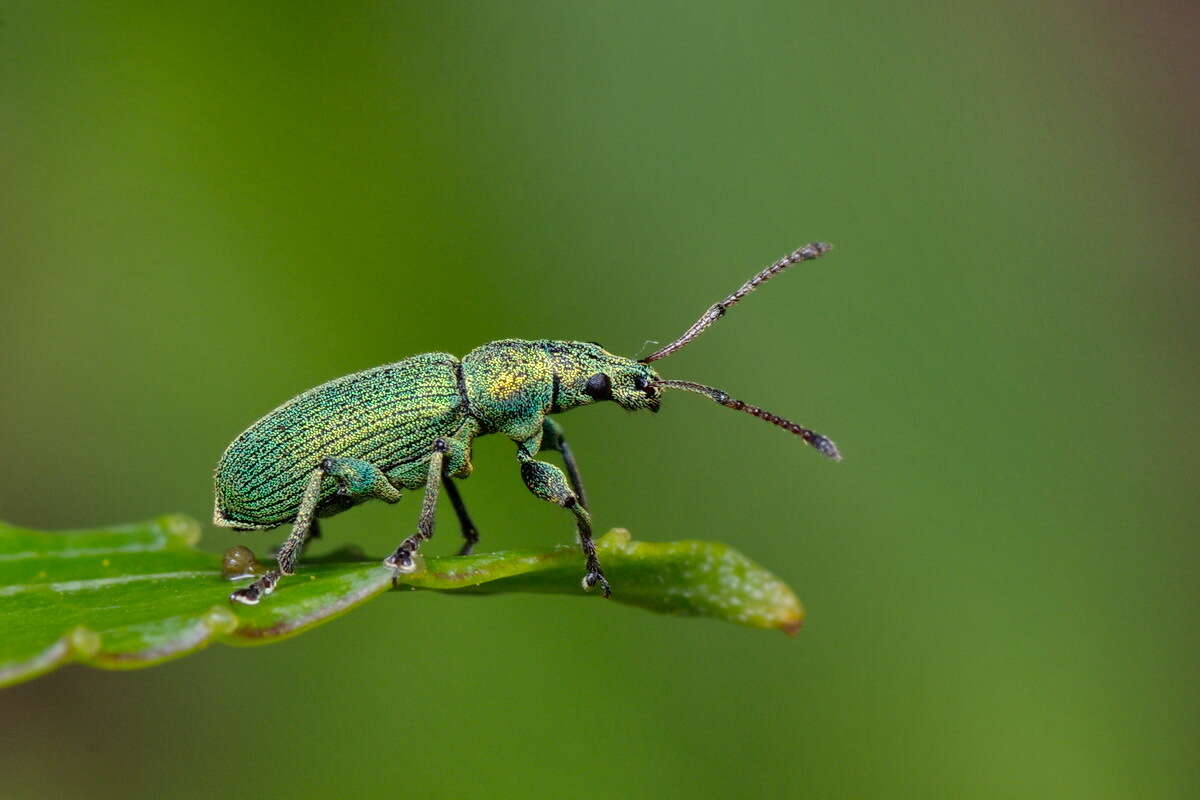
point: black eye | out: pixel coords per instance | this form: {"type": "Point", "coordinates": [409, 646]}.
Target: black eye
{"type": "Point", "coordinates": [599, 387]}
{"type": "Point", "coordinates": [640, 383]}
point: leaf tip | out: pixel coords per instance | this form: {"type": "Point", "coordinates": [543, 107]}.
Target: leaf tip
{"type": "Point", "coordinates": [792, 625]}
{"type": "Point", "coordinates": [789, 613]}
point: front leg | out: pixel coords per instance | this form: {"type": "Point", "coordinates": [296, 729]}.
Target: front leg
{"type": "Point", "coordinates": [547, 482]}
{"type": "Point", "coordinates": [553, 438]}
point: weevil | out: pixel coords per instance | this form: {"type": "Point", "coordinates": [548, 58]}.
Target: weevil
{"type": "Point", "coordinates": [411, 424]}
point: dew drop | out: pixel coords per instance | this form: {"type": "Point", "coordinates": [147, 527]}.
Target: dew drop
{"type": "Point", "coordinates": [239, 562]}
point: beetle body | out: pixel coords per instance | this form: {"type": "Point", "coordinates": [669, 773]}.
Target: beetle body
{"type": "Point", "coordinates": [390, 416]}
{"type": "Point", "coordinates": [411, 424]}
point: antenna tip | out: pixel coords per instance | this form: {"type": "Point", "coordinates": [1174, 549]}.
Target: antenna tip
{"type": "Point", "coordinates": [825, 447]}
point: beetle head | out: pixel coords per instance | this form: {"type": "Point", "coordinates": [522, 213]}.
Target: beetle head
{"type": "Point", "coordinates": [588, 373]}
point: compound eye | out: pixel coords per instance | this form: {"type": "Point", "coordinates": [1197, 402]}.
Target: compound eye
{"type": "Point", "coordinates": [599, 387]}
{"type": "Point", "coordinates": [640, 383]}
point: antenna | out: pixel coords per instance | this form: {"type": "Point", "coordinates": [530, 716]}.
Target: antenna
{"type": "Point", "coordinates": [821, 444]}
{"type": "Point", "coordinates": [715, 312]}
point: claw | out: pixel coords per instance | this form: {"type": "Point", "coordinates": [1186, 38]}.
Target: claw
{"type": "Point", "coordinates": [592, 579]}
{"type": "Point", "coordinates": [248, 596]}
{"type": "Point", "coordinates": [403, 561]}
{"type": "Point", "coordinates": [251, 594]}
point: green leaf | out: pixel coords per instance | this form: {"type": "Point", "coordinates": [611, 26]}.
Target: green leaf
{"type": "Point", "coordinates": [135, 595]}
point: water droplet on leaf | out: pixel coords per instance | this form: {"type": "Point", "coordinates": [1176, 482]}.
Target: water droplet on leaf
{"type": "Point", "coordinates": [239, 562]}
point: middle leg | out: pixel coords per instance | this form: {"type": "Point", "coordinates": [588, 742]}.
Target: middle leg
{"type": "Point", "coordinates": [402, 560]}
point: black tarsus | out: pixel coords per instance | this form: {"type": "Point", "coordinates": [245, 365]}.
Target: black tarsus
{"type": "Point", "coordinates": [469, 532]}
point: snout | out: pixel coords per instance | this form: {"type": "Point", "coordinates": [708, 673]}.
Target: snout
{"type": "Point", "coordinates": [653, 398]}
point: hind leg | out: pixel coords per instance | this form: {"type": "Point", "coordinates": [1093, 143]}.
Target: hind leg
{"type": "Point", "coordinates": [314, 532]}
{"type": "Point", "coordinates": [358, 481]}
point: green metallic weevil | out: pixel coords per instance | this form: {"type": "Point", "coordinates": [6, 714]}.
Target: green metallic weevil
{"type": "Point", "coordinates": [411, 424]}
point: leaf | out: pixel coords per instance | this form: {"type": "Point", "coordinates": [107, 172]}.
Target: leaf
{"type": "Point", "coordinates": [135, 595]}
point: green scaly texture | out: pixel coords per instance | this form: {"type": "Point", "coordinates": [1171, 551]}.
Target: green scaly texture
{"type": "Point", "coordinates": [389, 416]}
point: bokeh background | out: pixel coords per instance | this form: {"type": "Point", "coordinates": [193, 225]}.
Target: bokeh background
{"type": "Point", "coordinates": [205, 209]}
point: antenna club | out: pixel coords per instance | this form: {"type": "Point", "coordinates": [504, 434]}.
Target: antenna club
{"type": "Point", "coordinates": [825, 446]}
{"type": "Point", "coordinates": [808, 252]}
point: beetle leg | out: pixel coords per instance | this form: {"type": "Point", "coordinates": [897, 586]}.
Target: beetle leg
{"type": "Point", "coordinates": [553, 438]}
{"type": "Point", "coordinates": [469, 532]}
{"type": "Point", "coordinates": [290, 551]}
{"type": "Point", "coordinates": [358, 480]}
{"type": "Point", "coordinates": [402, 560]}
{"type": "Point", "coordinates": [547, 482]}
{"type": "Point", "coordinates": [314, 532]}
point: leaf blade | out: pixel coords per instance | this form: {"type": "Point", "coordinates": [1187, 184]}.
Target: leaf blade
{"type": "Point", "coordinates": [135, 595]}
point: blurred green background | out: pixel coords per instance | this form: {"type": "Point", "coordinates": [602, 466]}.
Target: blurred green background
{"type": "Point", "coordinates": [205, 210]}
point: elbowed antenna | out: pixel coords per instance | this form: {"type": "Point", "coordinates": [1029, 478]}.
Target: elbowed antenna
{"type": "Point", "coordinates": [821, 444]}
{"type": "Point", "coordinates": [715, 312]}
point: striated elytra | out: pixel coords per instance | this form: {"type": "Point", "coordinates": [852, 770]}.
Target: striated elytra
{"type": "Point", "coordinates": [411, 424]}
